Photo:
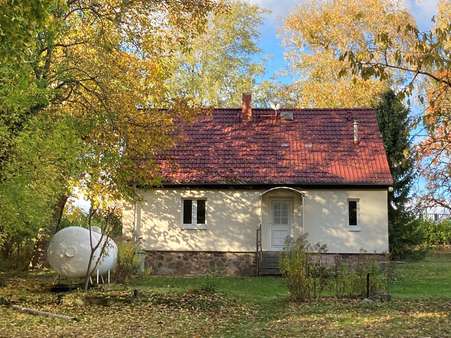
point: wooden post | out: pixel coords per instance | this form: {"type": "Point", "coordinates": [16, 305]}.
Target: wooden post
{"type": "Point", "coordinates": [367, 285]}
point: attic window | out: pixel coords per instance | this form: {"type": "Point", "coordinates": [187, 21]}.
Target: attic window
{"type": "Point", "coordinates": [286, 115]}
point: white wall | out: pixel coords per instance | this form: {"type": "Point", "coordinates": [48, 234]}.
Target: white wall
{"type": "Point", "coordinates": [326, 218]}
{"type": "Point", "coordinates": [233, 216]}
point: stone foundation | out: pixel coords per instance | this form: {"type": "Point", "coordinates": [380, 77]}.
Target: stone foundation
{"type": "Point", "coordinates": [201, 263]}
{"type": "Point", "coordinates": [231, 263]}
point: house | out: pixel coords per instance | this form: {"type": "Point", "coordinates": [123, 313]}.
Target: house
{"type": "Point", "coordinates": [240, 181]}
{"type": "Point", "coordinates": [435, 214]}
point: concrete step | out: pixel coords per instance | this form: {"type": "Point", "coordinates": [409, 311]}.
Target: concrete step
{"type": "Point", "coordinates": [270, 272]}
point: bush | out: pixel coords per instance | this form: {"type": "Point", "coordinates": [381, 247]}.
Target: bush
{"type": "Point", "coordinates": [15, 253]}
{"type": "Point", "coordinates": [437, 233]}
{"type": "Point", "coordinates": [128, 261]}
{"type": "Point", "coordinates": [308, 276]}
{"type": "Point", "coordinates": [407, 237]}
{"type": "Point", "coordinates": [18, 260]}
{"type": "Point", "coordinates": [209, 283]}
{"type": "Point", "coordinates": [351, 280]}
{"type": "Point", "coordinates": [305, 273]}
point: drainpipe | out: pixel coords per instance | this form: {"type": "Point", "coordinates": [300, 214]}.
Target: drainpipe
{"type": "Point", "coordinates": [137, 232]}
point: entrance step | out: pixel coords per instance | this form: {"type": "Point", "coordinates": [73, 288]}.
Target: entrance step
{"type": "Point", "coordinates": [270, 263]}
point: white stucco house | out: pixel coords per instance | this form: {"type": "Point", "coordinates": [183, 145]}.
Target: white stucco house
{"type": "Point", "coordinates": [240, 181]}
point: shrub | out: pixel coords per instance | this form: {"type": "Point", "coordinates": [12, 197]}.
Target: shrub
{"type": "Point", "coordinates": [209, 283]}
{"type": "Point", "coordinates": [128, 261]}
{"type": "Point", "coordinates": [407, 238]}
{"type": "Point", "coordinates": [15, 253]}
{"type": "Point", "coordinates": [351, 279]}
{"type": "Point", "coordinates": [308, 276]}
{"type": "Point", "coordinates": [437, 233]}
{"type": "Point", "coordinates": [304, 272]}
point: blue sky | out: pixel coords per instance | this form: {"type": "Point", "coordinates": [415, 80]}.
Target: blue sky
{"type": "Point", "coordinates": [271, 44]}
{"type": "Point", "coordinates": [272, 47]}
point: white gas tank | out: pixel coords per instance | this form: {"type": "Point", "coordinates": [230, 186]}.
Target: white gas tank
{"type": "Point", "coordinates": [69, 250]}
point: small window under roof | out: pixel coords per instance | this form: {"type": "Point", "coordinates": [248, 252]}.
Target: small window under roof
{"type": "Point", "coordinates": [286, 115]}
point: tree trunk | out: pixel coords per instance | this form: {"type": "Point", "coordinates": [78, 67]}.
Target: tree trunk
{"type": "Point", "coordinates": [59, 211]}
{"type": "Point", "coordinates": [38, 259]}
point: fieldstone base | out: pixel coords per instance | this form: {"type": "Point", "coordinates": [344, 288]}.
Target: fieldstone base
{"type": "Point", "coordinates": [332, 259]}
{"type": "Point", "coordinates": [201, 263]}
{"type": "Point", "coordinates": [192, 263]}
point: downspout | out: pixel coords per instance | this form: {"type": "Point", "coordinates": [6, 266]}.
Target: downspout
{"type": "Point", "coordinates": [302, 213]}
{"type": "Point", "coordinates": [137, 239]}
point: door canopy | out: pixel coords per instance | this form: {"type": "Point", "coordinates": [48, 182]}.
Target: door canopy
{"type": "Point", "coordinates": [283, 188]}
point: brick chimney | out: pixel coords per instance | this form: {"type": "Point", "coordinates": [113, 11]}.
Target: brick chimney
{"type": "Point", "coordinates": [246, 107]}
{"type": "Point", "coordinates": [356, 131]}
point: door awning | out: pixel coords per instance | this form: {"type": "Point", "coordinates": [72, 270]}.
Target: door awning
{"type": "Point", "coordinates": [283, 188]}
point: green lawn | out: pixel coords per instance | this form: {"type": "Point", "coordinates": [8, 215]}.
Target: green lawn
{"type": "Point", "coordinates": [238, 307]}
{"type": "Point", "coordinates": [430, 277]}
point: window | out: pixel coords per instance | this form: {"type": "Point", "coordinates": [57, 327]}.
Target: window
{"type": "Point", "coordinates": [280, 212]}
{"type": "Point", "coordinates": [194, 215]}
{"type": "Point", "coordinates": [187, 211]}
{"type": "Point", "coordinates": [200, 211]}
{"type": "Point", "coordinates": [353, 213]}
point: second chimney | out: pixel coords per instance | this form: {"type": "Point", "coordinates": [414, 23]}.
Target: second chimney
{"type": "Point", "coordinates": [356, 131]}
{"type": "Point", "coordinates": [246, 107]}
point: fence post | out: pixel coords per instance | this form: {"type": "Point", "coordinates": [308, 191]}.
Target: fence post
{"type": "Point", "coordinates": [367, 285]}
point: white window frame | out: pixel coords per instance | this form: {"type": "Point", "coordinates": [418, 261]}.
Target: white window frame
{"type": "Point", "coordinates": [356, 227]}
{"type": "Point", "coordinates": [193, 225]}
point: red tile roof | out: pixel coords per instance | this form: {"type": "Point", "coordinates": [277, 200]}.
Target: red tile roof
{"type": "Point", "coordinates": [316, 147]}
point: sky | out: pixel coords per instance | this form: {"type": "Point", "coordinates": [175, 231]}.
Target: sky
{"type": "Point", "coordinates": [272, 47]}
{"type": "Point", "coordinates": [271, 44]}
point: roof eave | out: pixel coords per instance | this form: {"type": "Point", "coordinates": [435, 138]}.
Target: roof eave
{"type": "Point", "coordinates": [260, 185]}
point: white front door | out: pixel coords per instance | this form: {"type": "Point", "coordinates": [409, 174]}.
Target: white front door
{"type": "Point", "coordinates": [281, 211]}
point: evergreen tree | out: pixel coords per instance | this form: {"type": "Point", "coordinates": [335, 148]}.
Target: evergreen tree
{"type": "Point", "coordinates": [393, 119]}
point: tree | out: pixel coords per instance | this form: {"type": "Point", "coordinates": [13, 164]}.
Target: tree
{"type": "Point", "coordinates": [422, 61]}
{"type": "Point", "coordinates": [318, 31]}
{"type": "Point", "coordinates": [218, 68]}
{"type": "Point", "coordinates": [46, 154]}
{"type": "Point", "coordinates": [394, 124]}
{"type": "Point", "coordinates": [272, 93]}
{"type": "Point", "coordinates": [99, 244]}
{"type": "Point", "coordinates": [408, 51]}
{"type": "Point", "coordinates": [90, 65]}
{"type": "Point", "coordinates": [433, 152]}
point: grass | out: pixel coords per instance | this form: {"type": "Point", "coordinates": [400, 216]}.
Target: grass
{"type": "Point", "coordinates": [430, 277]}
{"type": "Point", "coordinates": [234, 307]}
{"type": "Point", "coordinates": [246, 289]}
